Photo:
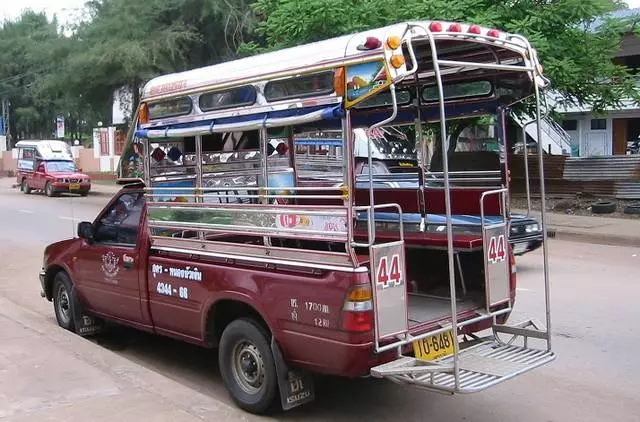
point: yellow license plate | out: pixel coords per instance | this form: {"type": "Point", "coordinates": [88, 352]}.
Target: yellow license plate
{"type": "Point", "coordinates": [74, 186]}
{"type": "Point", "coordinates": [434, 347]}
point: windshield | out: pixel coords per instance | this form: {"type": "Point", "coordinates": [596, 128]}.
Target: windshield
{"type": "Point", "coordinates": [60, 167]}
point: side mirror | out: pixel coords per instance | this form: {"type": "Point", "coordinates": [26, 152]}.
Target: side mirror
{"type": "Point", "coordinates": [85, 231]}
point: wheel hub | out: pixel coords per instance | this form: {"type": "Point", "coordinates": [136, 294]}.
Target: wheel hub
{"type": "Point", "coordinates": [64, 304]}
{"type": "Point", "coordinates": [248, 367]}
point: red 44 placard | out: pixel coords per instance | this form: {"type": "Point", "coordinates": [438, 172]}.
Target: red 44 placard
{"type": "Point", "coordinates": [389, 275]}
{"type": "Point", "coordinates": [497, 250]}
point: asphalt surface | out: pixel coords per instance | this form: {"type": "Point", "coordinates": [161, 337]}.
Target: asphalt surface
{"type": "Point", "coordinates": [595, 291]}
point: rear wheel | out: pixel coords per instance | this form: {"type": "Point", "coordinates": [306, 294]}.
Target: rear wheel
{"type": "Point", "coordinates": [62, 302]}
{"type": "Point", "coordinates": [48, 189]}
{"type": "Point", "coordinates": [25, 186]}
{"type": "Point", "coordinates": [247, 366]}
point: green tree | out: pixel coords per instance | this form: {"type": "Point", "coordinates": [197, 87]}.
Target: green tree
{"type": "Point", "coordinates": [125, 43]}
{"type": "Point", "coordinates": [576, 57]}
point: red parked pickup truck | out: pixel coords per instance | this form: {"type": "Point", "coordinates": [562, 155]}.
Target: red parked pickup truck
{"type": "Point", "coordinates": [321, 322]}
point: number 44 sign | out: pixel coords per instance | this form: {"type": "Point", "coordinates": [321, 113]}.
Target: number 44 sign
{"type": "Point", "coordinates": [389, 273]}
{"type": "Point", "coordinates": [497, 250]}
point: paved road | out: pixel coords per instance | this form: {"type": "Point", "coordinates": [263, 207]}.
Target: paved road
{"type": "Point", "coordinates": [595, 309]}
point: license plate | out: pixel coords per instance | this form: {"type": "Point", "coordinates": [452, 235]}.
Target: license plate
{"type": "Point", "coordinates": [74, 186]}
{"type": "Point", "coordinates": [519, 247]}
{"type": "Point", "coordinates": [434, 347]}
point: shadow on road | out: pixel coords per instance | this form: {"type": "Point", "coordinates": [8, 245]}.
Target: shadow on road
{"type": "Point", "coordinates": [196, 367]}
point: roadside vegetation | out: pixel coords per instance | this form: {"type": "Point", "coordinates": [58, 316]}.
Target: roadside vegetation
{"type": "Point", "coordinates": [73, 70]}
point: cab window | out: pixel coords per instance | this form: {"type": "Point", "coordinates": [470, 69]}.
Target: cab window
{"type": "Point", "coordinates": [120, 223]}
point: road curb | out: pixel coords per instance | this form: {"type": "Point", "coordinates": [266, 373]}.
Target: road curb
{"type": "Point", "coordinates": [595, 238]}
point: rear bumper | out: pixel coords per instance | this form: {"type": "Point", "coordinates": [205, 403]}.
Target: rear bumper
{"type": "Point", "coordinates": [350, 360]}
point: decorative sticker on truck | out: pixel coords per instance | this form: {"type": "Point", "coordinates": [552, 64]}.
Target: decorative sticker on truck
{"type": "Point", "coordinates": [319, 223]}
{"type": "Point", "coordinates": [188, 273]}
{"type": "Point", "coordinates": [110, 265]}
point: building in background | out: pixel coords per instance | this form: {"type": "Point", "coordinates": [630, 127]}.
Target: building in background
{"type": "Point", "coordinates": [611, 133]}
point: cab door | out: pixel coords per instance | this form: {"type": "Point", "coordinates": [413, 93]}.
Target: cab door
{"type": "Point", "coordinates": [38, 177]}
{"type": "Point", "coordinates": [109, 266]}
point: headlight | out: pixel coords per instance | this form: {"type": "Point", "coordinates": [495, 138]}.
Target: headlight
{"type": "Point", "coordinates": [532, 228]}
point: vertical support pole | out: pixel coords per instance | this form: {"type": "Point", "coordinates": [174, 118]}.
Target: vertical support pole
{"type": "Point", "coordinates": [526, 167]}
{"type": "Point", "coordinates": [502, 136]}
{"type": "Point", "coordinates": [545, 252]}
{"type": "Point", "coordinates": [349, 181]}
{"type": "Point", "coordinates": [447, 201]}
{"type": "Point", "coordinates": [198, 188]}
{"type": "Point", "coordinates": [264, 140]}
{"type": "Point", "coordinates": [422, 160]}
{"type": "Point", "coordinates": [199, 168]}
{"type": "Point", "coordinates": [146, 146]}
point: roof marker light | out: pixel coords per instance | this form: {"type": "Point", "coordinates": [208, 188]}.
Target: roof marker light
{"type": "Point", "coordinates": [474, 29]}
{"type": "Point", "coordinates": [393, 42]}
{"type": "Point", "coordinates": [435, 27]}
{"type": "Point", "coordinates": [455, 27]}
{"type": "Point", "coordinates": [397, 61]}
{"type": "Point", "coordinates": [493, 33]}
{"type": "Point", "coordinates": [372, 43]}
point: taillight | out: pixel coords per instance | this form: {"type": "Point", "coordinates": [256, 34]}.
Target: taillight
{"type": "Point", "coordinates": [357, 312]}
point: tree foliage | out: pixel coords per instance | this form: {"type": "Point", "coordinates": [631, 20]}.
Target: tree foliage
{"type": "Point", "coordinates": [576, 55]}
{"type": "Point", "coordinates": [117, 47]}
{"type": "Point", "coordinates": [46, 71]}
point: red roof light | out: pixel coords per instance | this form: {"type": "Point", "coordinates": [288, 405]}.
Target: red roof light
{"type": "Point", "coordinates": [455, 27]}
{"type": "Point", "coordinates": [474, 29]}
{"type": "Point", "coordinates": [493, 33]}
{"type": "Point", "coordinates": [435, 27]}
{"type": "Point", "coordinates": [372, 43]}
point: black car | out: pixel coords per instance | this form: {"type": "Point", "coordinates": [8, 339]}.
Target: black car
{"type": "Point", "coordinates": [525, 234]}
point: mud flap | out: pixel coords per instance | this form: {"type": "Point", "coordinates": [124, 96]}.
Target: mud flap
{"type": "Point", "coordinates": [296, 387]}
{"type": "Point", "coordinates": [86, 325]}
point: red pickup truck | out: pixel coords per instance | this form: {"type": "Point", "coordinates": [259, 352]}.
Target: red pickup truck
{"type": "Point", "coordinates": [259, 316]}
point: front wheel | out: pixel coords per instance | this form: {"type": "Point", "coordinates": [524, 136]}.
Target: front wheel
{"type": "Point", "coordinates": [48, 189]}
{"type": "Point", "coordinates": [62, 302]}
{"type": "Point", "coordinates": [247, 366]}
{"type": "Point", "coordinates": [25, 187]}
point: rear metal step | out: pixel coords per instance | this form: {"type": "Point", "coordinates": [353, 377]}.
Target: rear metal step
{"type": "Point", "coordinates": [481, 366]}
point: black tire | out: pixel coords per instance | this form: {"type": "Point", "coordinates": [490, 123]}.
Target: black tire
{"type": "Point", "coordinates": [245, 353]}
{"type": "Point", "coordinates": [63, 301]}
{"type": "Point", "coordinates": [48, 189]}
{"type": "Point", "coordinates": [603, 207]}
{"type": "Point", "coordinates": [24, 186]}
{"type": "Point", "coordinates": [632, 208]}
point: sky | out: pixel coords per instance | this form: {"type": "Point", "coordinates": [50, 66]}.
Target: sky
{"type": "Point", "coordinates": [66, 9]}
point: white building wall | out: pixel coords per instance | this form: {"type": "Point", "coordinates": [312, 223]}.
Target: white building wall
{"type": "Point", "coordinates": [592, 142]}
